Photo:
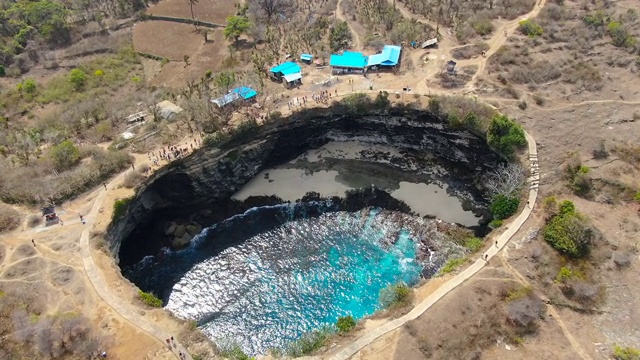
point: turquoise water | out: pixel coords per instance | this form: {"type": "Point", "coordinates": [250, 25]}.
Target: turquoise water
{"type": "Point", "coordinates": [307, 273]}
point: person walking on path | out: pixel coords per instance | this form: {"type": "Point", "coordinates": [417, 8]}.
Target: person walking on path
{"type": "Point", "coordinates": [496, 243]}
{"type": "Point", "coordinates": [105, 185]}
{"type": "Point", "coordinates": [33, 242]}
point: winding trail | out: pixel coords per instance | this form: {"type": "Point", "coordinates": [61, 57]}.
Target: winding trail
{"type": "Point", "coordinates": [340, 15]}
{"type": "Point", "coordinates": [121, 307]}
{"type": "Point", "coordinates": [511, 228]}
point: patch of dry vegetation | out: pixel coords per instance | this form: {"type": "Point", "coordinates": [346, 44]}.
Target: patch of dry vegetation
{"type": "Point", "coordinates": [9, 218]}
{"type": "Point", "coordinates": [494, 318]}
{"type": "Point", "coordinates": [471, 19]}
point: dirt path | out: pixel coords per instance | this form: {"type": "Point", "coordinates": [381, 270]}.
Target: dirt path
{"type": "Point", "coordinates": [128, 312]}
{"type": "Point", "coordinates": [340, 15]}
{"type": "Point", "coordinates": [499, 38]}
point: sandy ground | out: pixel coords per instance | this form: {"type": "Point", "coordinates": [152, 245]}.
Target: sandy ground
{"type": "Point", "coordinates": [215, 11]}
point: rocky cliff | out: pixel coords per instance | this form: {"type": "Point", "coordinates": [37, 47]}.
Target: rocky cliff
{"type": "Point", "coordinates": [200, 186]}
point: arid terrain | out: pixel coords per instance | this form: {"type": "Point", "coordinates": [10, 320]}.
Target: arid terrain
{"type": "Point", "coordinates": [570, 76]}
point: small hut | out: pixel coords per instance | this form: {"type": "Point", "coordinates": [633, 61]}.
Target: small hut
{"type": "Point", "coordinates": [50, 216]}
{"type": "Point", "coordinates": [292, 80]}
{"type": "Point", "coordinates": [451, 67]}
{"type": "Point", "coordinates": [306, 58]}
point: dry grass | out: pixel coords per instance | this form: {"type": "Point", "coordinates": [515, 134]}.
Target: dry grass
{"type": "Point", "coordinates": [9, 218]}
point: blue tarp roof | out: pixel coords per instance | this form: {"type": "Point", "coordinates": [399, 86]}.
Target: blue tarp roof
{"type": "Point", "coordinates": [389, 56]}
{"type": "Point", "coordinates": [306, 57]}
{"type": "Point", "coordinates": [348, 59]}
{"type": "Point", "coordinates": [286, 68]}
{"type": "Point", "coordinates": [245, 92]}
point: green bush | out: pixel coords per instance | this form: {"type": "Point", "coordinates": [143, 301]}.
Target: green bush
{"type": "Point", "coordinates": [382, 100]}
{"type": "Point", "coordinates": [620, 36]}
{"type": "Point", "coordinates": [28, 86]}
{"type": "Point", "coordinates": [564, 274]}
{"type": "Point", "coordinates": [216, 139]}
{"type": "Point", "coordinates": [473, 244]}
{"type": "Point", "coordinates": [503, 206]}
{"type": "Point", "coordinates": [78, 79]}
{"type": "Point", "coordinates": [357, 103]}
{"type": "Point", "coordinates": [64, 155]}
{"type": "Point", "coordinates": [568, 231]}
{"type": "Point", "coordinates": [233, 352]}
{"type": "Point", "coordinates": [345, 323]}
{"type": "Point", "coordinates": [3, 72]}
{"type": "Point", "coordinates": [636, 197]}
{"type": "Point", "coordinates": [482, 26]}
{"type": "Point", "coordinates": [309, 342]}
{"type": "Point", "coordinates": [530, 28]}
{"type": "Point", "coordinates": [246, 129]}
{"type": "Point", "coordinates": [396, 295]}
{"type": "Point", "coordinates": [495, 223]}
{"type": "Point", "coordinates": [518, 293]}
{"type": "Point", "coordinates": [625, 353]}
{"type": "Point", "coordinates": [505, 135]}
{"type": "Point", "coordinates": [451, 265]}
{"type": "Point", "coordinates": [149, 299]}
{"type": "Point", "coordinates": [120, 208]}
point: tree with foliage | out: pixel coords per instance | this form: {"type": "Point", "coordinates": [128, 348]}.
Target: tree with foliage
{"type": "Point", "coordinates": [191, 3]}
{"type": "Point", "coordinates": [568, 231]}
{"type": "Point", "coordinates": [224, 80]}
{"type": "Point", "coordinates": [27, 86]}
{"type": "Point", "coordinates": [24, 144]}
{"type": "Point", "coordinates": [47, 18]}
{"type": "Point", "coordinates": [77, 78]}
{"type": "Point", "coordinates": [345, 323]}
{"type": "Point", "coordinates": [64, 155]}
{"type": "Point", "coordinates": [395, 295]}
{"type": "Point", "coordinates": [502, 206]}
{"type": "Point", "coordinates": [505, 135]}
{"type": "Point", "coordinates": [339, 36]}
{"type": "Point", "coordinates": [236, 26]}
{"type": "Point", "coordinates": [530, 28]}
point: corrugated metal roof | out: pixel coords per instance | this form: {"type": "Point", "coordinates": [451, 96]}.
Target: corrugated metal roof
{"type": "Point", "coordinates": [293, 77]}
{"type": "Point", "coordinates": [389, 56]}
{"type": "Point", "coordinates": [306, 57]}
{"type": "Point", "coordinates": [429, 42]}
{"type": "Point", "coordinates": [245, 92]}
{"type": "Point", "coordinates": [348, 59]}
{"type": "Point", "coordinates": [288, 67]}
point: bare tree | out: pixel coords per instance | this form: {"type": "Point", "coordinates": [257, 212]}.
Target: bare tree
{"type": "Point", "coordinates": [271, 10]}
{"type": "Point", "coordinates": [505, 180]}
{"type": "Point", "coordinates": [191, 3]}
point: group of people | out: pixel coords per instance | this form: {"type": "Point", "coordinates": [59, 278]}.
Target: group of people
{"type": "Point", "coordinates": [169, 153]}
{"type": "Point", "coordinates": [172, 344]}
{"type": "Point", "coordinates": [323, 96]}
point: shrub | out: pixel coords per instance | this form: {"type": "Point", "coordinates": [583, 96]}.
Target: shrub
{"type": "Point", "coordinates": [64, 155]}
{"type": "Point", "coordinates": [28, 86]}
{"type": "Point", "coordinates": [625, 353]}
{"type": "Point", "coordinates": [473, 244]}
{"type": "Point", "coordinates": [216, 139]}
{"type": "Point", "coordinates": [451, 265]}
{"type": "Point", "coordinates": [3, 72]}
{"type": "Point", "coordinates": [246, 129]}
{"type": "Point", "coordinates": [149, 299]}
{"type": "Point", "coordinates": [482, 26]}
{"type": "Point", "coordinates": [78, 79]}
{"type": "Point", "coordinates": [505, 135]}
{"type": "Point", "coordinates": [309, 342]}
{"type": "Point", "coordinates": [530, 28]}
{"type": "Point", "coordinates": [345, 323]}
{"type": "Point", "coordinates": [33, 220]}
{"type": "Point", "coordinates": [564, 274]}
{"type": "Point", "coordinates": [397, 295]}
{"type": "Point", "coordinates": [495, 223]}
{"type": "Point", "coordinates": [636, 197]}
{"type": "Point", "coordinates": [120, 208]}
{"type": "Point", "coordinates": [539, 100]}
{"type": "Point", "coordinates": [568, 231]}
{"type": "Point", "coordinates": [518, 293]}
{"type": "Point", "coordinates": [9, 218]}
{"type": "Point", "coordinates": [503, 206]}
{"type": "Point", "coordinates": [132, 179]}
{"type": "Point", "coordinates": [382, 100]}
{"type": "Point", "coordinates": [98, 73]}
{"type": "Point", "coordinates": [232, 351]}
{"type": "Point", "coordinates": [357, 103]}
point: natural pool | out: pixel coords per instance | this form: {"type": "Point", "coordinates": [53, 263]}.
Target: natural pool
{"type": "Point", "coordinates": [297, 277]}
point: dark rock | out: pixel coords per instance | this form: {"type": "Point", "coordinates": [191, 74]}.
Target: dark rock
{"type": "Point", "coordinates": [199, 187]}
